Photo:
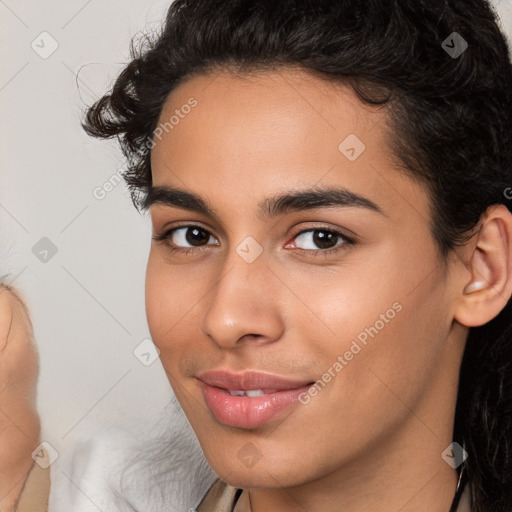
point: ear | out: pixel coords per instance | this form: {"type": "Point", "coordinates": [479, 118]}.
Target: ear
{"type": "Point", "coordinates": [489, 288]}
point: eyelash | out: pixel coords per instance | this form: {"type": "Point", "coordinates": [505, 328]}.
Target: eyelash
{"type": "Point", "coordinates": [347, 241]}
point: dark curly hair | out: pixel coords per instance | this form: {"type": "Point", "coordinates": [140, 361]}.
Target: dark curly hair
{"type": "Point", "coordinates": [451, 120]}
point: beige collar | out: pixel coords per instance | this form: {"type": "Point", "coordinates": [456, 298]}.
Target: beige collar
{"type": "Point", "coordinates": [35, 492]}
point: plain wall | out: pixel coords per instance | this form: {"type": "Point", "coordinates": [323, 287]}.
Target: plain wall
{"type": "Point", "coordinates": [86, 300]}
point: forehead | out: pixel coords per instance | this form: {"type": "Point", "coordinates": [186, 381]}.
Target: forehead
{"type": "Point", "coordinates": [275, 130]}
{"type": "Point", "coordinates": [265, 110]}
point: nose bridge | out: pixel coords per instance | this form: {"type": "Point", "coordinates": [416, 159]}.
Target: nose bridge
{"type": "Point", "coordinates": [243, 301]}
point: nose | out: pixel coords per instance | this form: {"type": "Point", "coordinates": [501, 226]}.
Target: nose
{"type": "Point", "coordinates": [243, 306]}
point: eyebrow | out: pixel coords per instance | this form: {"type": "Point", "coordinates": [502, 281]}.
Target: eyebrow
{"type": "Point", "coordinates": [294, 201]}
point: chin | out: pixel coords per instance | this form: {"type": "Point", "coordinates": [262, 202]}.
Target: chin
{"type": "Point", "coordinates": [263, 474]}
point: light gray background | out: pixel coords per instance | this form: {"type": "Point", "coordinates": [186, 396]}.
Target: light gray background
{"type": "Point", "coordinates": [87, 301]}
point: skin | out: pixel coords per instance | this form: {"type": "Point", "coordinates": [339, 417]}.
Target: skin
{"type": "Point", "coordinates": [19, 421]}
{"type": "Point", "coordinates": [375, 433]}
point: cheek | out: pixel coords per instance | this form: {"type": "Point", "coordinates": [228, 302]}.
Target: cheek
{"type": "Point", "coordinates": [154, 299]}
{"type": "Point", "coordinates": [395, 348]}
{"type": "Point", "coordinates": [162, 302]}
{"type": "Point", "coordinates": [356, 301]}
{"type": "Point", "coordinates": [171, 299]}
{"type": "Point", "coordinates": [388, 322]}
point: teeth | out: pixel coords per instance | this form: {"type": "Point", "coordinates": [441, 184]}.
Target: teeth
{"type": "Point", "coordinates": [254, 392]}
{"type": "Point", "coordinates": [249, 392]}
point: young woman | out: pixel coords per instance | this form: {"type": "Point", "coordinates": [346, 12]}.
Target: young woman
{"type": "Point", "coordinates": [329, 282]}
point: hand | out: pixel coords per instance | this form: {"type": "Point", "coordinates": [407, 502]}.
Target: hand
{"type": "Point", "coordinates": [19, 421]}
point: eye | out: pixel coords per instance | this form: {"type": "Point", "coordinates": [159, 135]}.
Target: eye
{"type": "Point", "coordinates": [315, 241]}
{"type": "Point", "coordinates": [322, 240]}
{"type": "Point", "coordinates": [185, 238]}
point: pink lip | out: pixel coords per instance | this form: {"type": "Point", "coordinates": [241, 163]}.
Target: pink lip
{"type": "Point", "coordinates": [249, 380]}
{"type": "Point", "coordinates": [245, 411]}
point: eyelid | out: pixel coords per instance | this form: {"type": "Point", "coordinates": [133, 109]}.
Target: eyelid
{"type": "Point", "coordinates": [352, 238]}
{"type": "Point", "coordinates": [167, 232]}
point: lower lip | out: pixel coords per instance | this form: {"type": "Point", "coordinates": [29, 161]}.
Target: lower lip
{"type": "Point", "coordinates": [248, 411]}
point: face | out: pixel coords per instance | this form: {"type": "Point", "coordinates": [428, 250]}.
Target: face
{"type": "Point", "coordinates": [330, 303]}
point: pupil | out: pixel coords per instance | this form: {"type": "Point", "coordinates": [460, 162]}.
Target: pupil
{"type": "Point", "coordinates": [195, 236]}
{"type": "Point", "coordinates": [324, 239]}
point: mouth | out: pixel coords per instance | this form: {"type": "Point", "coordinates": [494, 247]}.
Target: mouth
{"type": "Point", "coordinates": [251, 399]}
{"type": "Point", "coordinates": [250, 392]}
{"type": "Point", "coordinates": [250, 381]}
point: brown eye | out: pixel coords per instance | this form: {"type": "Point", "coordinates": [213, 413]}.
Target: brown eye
{"type": "Point", "coordinates": [318, 239]}
{"type": "Point", "coordinates": [186, 238]}
{"type": "Point", "coordinates": [195, 236]}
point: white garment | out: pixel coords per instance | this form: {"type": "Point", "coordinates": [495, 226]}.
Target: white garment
{"type": "Point", "coordinates": [135, 470]}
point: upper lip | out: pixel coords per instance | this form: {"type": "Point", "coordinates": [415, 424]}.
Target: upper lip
{"type": "Point", "coordinates": [249, 380]}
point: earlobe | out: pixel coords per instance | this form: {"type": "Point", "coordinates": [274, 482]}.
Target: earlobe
{"type": "Point", "coordinates": [489, 287]}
